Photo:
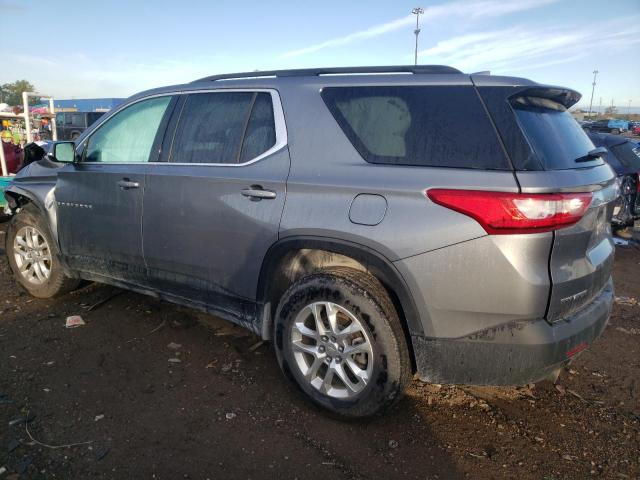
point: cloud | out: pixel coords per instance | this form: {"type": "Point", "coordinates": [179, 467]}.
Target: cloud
{"type": "Point", "coordinates": [79, 76]}
{"type": "Point", "coordinates": [468, 9]}
{"type": "Point", "coordinates": [530, 47]}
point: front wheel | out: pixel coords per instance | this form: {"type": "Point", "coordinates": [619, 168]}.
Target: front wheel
{"type": "Point", "coordinates": [339, 339]}
{"type": "Point", "coordinates": [33, 256]}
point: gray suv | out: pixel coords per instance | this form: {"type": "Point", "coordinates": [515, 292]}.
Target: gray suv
{"type": "Point", "coordinates": [372, 223]}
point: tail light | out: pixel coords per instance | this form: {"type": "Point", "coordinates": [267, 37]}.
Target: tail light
{"type": "Point", "coordinates": [637, 175]}
{"type": "Point", "coordinates": [502, 213]}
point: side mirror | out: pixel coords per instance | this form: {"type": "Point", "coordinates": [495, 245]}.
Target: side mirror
{"type": "Point", "coordinates": [63, 152]}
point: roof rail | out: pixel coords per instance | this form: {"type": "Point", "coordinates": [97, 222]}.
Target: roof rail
{"type": "Point", "coordinates": [310, 72]}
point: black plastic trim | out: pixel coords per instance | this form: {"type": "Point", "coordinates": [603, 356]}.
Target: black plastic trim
{"type": "Point", "coordinates": [379, 265]}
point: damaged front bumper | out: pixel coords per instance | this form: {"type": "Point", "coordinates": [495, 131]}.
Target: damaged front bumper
{"type": "Point", "coordinates": [512, 354]}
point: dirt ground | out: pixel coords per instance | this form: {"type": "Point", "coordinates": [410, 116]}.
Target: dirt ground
{"type": "Point", "coordinates": [150, 390]}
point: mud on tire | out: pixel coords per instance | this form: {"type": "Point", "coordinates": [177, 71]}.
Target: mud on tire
{"type": "Point", "coordinates": [365, 298]}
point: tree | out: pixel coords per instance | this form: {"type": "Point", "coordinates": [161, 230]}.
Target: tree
{"type": "Point", "coordinates": [11, 93]}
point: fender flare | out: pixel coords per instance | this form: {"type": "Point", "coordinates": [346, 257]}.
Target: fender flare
{"type": "Point", "coordinates": [376, 263]}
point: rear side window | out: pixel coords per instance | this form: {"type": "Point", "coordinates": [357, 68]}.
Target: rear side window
{"type": "Point", "coordinates": [223, 127]}
{"type": "Point", "coordinates": [437, 126]}
{"type": "Point", "coordinates": [555, 137]}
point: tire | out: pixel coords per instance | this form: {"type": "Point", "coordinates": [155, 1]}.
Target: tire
{"type": "Point", "coordinates": [75, 135]}
{"type": "Point", "coordinates": [360, 303]}
{"type": "Point", "coordinates": [615, 131]}
{"type": "Point", "coordinates": [29, 222]}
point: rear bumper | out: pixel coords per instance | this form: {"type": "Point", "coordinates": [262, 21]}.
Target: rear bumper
{"type": "Point", "coordinates": [512, 354]}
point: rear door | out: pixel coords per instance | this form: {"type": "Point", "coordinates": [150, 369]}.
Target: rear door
{"type": "Point", "coordinates": [212, 205]}
{"type": "Point", "coordinates": [550, 153]}
{"type": "Point", "coordinates": [99, 198]}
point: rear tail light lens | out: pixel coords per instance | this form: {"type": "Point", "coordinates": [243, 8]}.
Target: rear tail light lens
{"type": "Point", "coordinates": [509, 213]}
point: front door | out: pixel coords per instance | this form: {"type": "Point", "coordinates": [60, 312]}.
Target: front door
{"type": "Point", "coordinates": [99, 198]}
{"type": "Point", "coordinates": [212, 205]}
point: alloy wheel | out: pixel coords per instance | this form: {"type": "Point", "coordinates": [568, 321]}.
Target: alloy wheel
{"type": "Point", "coordinates": [32, 255]}
{"type": "Point", "coordinates": [332, 349]}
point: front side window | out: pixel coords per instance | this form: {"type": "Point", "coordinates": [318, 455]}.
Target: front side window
{"type": "Point", "coordinates": [129, 135]}
{"type": "Point", "coordinates": [223, 127]}
{"type": "Point", "coordinates": [437, 126]}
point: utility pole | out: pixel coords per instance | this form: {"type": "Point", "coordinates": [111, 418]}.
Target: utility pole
{"type": "Point", "coordinates": [600, 106]}
{"type": "Point", "coordinates": [593, 88]}
{"type": "Point", "coordinates": [629, 111]}
{"type": "Point", "coordinates": [417, 12]}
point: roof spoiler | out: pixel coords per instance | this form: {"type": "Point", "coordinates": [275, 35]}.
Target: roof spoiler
{"type": "Point", "coordinates": [563, 96]}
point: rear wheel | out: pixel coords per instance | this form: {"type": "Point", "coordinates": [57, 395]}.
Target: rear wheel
{"type": "Point", "coordinates": [615, 131]}
{"type": "Point", "coordinates": [339, 339]}
{"type": "Point", "coordinates": [33, 256]}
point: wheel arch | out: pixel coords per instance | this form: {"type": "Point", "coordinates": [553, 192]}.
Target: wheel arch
{"type": "Point", "coordinates": [293, 257]}
{"type": "Point", "coordinates": [41, 198]}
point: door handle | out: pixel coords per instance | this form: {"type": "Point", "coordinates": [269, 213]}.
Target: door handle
{"type": "Point", "coordinates": [126, 184]}
{"type": "Point", "coordinates": [256, 192]}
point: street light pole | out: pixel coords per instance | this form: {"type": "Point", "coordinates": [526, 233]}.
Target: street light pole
{"type": "Point", "coordinates": [593, 87]}
{"type": "Point", "coordinates": [417, 11]}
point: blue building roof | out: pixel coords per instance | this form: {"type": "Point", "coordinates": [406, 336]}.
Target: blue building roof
{"type": "Point", "coordinates": [86, 104]}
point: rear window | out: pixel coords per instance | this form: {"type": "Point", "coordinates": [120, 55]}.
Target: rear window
{"type": "Point", "coordinates": [436, 126]}
{"type": "Point", "coordinates": [556, 138]}
{"type": "Point", "coordinates": [628, 154]}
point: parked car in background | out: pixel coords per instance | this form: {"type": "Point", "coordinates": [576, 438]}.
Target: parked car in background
{"type": "Point", "coordinates": [623, 155]}
{"type": "Point", "coordinates": [450, 225]}
{"type": "Point", "coordinates": [634, 127]}
{"type": "Point", "coordinates": [607, 126]}
{"type": "Point", "coordinates": [70, 125]}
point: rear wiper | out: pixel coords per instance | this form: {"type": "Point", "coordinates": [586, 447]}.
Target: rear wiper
{"type": "Point", "coordinates": [593, 154]}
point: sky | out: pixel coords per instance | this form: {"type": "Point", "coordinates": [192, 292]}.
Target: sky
{"type": "Point", "coordinates": [115, 48]}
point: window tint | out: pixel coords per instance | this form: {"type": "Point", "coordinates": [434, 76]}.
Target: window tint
{"type": "Point", "coordinates": [261, 131]}
{"type": "Point", "coordinates": [129, 135]}
{"type": "Point", "coordinates": [211, 127]}
{"type": "Point", "coordinates": [425, 126]}
{"type": "Point", "coordinates": [555, 136]}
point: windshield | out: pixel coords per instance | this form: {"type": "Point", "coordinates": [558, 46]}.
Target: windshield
{"type": "Point", "coordinates": [557, 139]}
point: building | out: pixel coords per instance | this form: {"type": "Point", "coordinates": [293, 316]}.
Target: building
{"type": "Point", "coordinates": [87, 104]}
